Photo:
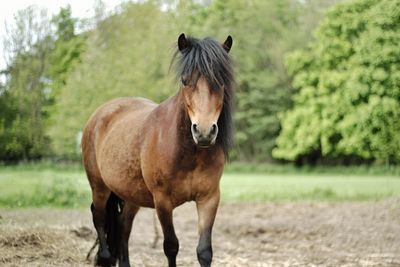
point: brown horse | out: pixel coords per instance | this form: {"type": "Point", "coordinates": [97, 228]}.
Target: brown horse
{"type": "Point", "coordinates": [140, 154]}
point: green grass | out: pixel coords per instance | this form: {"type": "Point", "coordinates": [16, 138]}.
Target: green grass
{"type": "Point", "coordinates": [46, 185]}
{"type": "Point", "coordinates": [264, 187]}
{"type": "Point", "coordinates": [288, 168]}
{"type": "Point", "coordinates": [30, 187]}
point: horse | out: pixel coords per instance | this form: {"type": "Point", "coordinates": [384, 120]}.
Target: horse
{"type": "Point", "coordinates": [137, 153]}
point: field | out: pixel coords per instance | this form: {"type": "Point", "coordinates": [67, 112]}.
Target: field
{"type": "Point", "coordinates": [265, 219]}
{"type": "Point", "coordinates": [67, 186]}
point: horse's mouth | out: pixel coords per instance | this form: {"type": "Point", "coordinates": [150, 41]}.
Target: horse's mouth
{"type": "Point", "coordinates": [204, 146]}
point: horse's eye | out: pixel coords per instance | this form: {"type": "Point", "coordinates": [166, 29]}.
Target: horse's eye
{"type": "Point", "coordinates": [184, 81]}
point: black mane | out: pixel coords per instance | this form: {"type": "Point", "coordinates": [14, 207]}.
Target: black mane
{"type": "Point", "coordinates": [207, 57]}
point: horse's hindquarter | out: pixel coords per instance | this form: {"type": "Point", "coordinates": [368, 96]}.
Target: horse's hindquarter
{"type": "Point", "coordinates": [118, 130]}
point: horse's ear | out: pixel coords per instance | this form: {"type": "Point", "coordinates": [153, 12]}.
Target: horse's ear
{"type": "Point", "coordinates": [182, 42]}
{"type": "Point", "coordinates": [227, 44]}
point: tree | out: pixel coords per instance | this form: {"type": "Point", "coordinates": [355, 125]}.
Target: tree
{"type": "Point", "coordinates": [38, 62]}
{"type": "Point", "coordinates": [128, 54]}
{"type": "Point", "coordinates": [28, 43]}
{"type": "Point", "coordinates": [66, 53]}
{"type": "Point", "coordinates": [263, 32]}
{"type": "Point", "coordinates": [347, 101]}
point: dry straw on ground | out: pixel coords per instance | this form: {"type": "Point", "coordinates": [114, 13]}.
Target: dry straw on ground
{"type": "Point", "coordinates": [291, 234]}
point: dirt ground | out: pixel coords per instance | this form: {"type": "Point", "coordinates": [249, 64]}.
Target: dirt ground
{"type": "Point", "coordinates": [291, 234]}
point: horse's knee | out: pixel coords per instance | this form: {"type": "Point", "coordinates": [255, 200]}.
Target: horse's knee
{"type": "Point", "coordinates": [171, 246]}
{"type": "Point", "coordinates": [204, 254]}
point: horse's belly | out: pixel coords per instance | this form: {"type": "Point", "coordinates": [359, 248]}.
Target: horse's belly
{"type": "Point", "coordinates": [129, 185]}
{"type": "Point", "coordinates": [122, 174]}
{"type": "Point", "coordinates": [135, 191]}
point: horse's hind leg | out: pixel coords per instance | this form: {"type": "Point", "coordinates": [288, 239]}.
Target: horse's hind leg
{"type": "Point", "coordinates": [100, 195]}
{"type": "Point", "coordinates": [126, 219]}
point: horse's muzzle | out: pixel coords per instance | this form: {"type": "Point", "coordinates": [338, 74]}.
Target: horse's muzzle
{"type": "Point", "coordinates": [205, 138]}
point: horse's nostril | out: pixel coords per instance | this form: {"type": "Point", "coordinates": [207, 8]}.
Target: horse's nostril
{"type": "Point", "coordinates": [194, 127]}
{"type": "Point", "coordinates": [214, 129]}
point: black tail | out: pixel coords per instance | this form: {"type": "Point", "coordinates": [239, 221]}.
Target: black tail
{"type": "Point", "coordinates": [112, 228]}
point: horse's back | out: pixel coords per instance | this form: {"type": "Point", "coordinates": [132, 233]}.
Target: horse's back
{"type": "Point", "coordinates": [124, 117]}
{"type": "Point", "coordinates": [111, 109]}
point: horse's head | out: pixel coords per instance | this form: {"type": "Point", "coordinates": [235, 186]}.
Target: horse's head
{"type": "Point", "coordinates": [204, 75]}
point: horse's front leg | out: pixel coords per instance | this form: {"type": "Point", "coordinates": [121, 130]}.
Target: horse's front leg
{"type": "Point", "coordinates": [207, 207]}
{"type": "Point", "coordinates": [164, 210]}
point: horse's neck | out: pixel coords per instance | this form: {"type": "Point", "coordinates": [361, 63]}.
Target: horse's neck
{"type": "Point", "coordinates": [176, 120]}
{"type": "Point", "coordinates": [180, 119]}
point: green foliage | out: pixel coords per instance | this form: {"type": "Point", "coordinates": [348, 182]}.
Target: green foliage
{"type": "Point", "coordinates": [347, 103]}
{"type": "Point", "coordinates": [39, 63]}
{"type": "Point", "coordinates": [65, 24]}
{"type": "Point", "coordinates": [6, 121]}
{"type": "Point", "coordinates": [67, 49]}
{"type": "Point", "coordinates": [66, 53]}
{"type": "Point", "coordinates": [263, 31]}
{"type": "Point", "coordinates": [127, 55]}
{"type": "Point", "coordinates": [22, 133]}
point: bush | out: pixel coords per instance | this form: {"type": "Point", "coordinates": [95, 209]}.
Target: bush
{"type": "Point", "coordinates": [347, 103]}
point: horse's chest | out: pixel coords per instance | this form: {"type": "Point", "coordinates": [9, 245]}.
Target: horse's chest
{"type": "Point", "coordinates": [191, 186]}
{"type": "Point", "coordinates": [181, 189]}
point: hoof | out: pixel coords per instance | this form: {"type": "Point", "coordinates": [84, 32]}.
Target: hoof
{"type": "Point", "coordinates": [124, 264]}
{"type": "Point", "coordinates": [104, 259]}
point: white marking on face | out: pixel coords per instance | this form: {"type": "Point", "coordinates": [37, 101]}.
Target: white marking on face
{"type": "Point", "coordinates": [204, 106]}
